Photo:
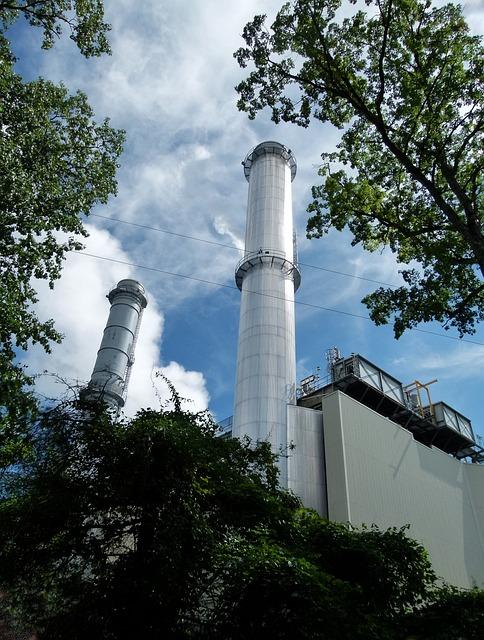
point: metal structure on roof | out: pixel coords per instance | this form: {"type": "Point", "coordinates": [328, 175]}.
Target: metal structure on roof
{"type": "Point", "coordinates": [434, 424]}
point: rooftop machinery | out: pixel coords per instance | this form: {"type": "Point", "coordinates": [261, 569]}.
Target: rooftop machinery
{"type": "Point", "coordinates": [112, 370]}
{"type": "Point", "coordinates": [435, 424]}
{"type": "Point", "coordinates": [267, 277]}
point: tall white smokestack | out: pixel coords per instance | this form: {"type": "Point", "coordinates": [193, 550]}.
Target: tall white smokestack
{"type": "Point", "coordinates": [110, 377]}
{"type": "Point", "coordinates": [268, 278]}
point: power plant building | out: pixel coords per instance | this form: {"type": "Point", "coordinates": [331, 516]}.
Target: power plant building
{"type": "Point", "coordinates": [358, 447]}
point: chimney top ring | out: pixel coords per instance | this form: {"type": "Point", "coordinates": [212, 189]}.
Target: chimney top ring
{"type": "Point", "coordinates": [269, 147]}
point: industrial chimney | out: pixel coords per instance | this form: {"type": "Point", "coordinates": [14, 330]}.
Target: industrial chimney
{"type": "Point", "coordinates": [268, 277]}
{"type": "Point", "coordinates": [110, 377]}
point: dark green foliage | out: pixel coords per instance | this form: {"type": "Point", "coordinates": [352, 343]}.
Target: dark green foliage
{"type": "Point", "coordinates": [84, 20]}
{"type": "Point", "coordinates": [113, 530]}
{"type": "Point", "coordinates": [56, 163]}
{"type": "Point", "coordinates": [155, 528]}
{"type": "Point", "coordinates": [18, 408]}
{"type": "Point", "coordinates": [405, 79]}
{"type": "Point", "coordinates": [324, 580]}
{"type": "Point", "coordinates": [454, 615]}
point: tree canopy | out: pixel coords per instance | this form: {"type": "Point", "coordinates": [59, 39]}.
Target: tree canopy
{"type": "Point", "coordinates": [83, 18]}
{"type": "Point", "coordinates": [405, 79]}
{"type": "Point", "coordinates": [155, 527]}
{"type": "Point", "coordinates": [57, 164]}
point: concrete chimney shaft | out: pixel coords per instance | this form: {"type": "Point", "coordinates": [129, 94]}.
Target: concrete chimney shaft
{"type": "Point", "coordinates": [268, 278]}
{"type": "Point", "coordinates": [116, 354]}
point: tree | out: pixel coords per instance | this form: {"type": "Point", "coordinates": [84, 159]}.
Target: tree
{"type": "Point", "coordinates": [326, 580]}
{"type": "Point", "coordinates": [84, 19]}
{"type": "Point", "coordinates": [57, 163]}
{"type": "Point", "coordinates": [155, 527]}
{"type": "Point", "coordinates": [405, 81]}
{"type": "Point", "coordinates": [113, 530]}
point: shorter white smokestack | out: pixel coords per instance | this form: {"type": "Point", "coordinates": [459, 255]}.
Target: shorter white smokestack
{"type": "Point", "coordinates": [109, 380]}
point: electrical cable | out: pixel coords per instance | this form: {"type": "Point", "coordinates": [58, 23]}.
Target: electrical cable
{"type": "Point", "coordinates": [259, 293]}
{"type": "Point", "coordinates": [231, 246]}
{"type": "Point", "coordinates": [171, 233]}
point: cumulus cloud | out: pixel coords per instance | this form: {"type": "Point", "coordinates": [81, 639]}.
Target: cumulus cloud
{"type": "Point", "coordinates": [189, 385]}
{"type": "Point", "coordinates": [171, 86]}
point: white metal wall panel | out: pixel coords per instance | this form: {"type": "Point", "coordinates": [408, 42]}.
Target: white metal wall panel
{"type": "Point", "coordinates": [306, 473]}
{"type": "Point", "coordinates": [465, 427]}
{"type": "Point", "coordinates": [377, 473]}
{"type": "Point", "coordinates": [450, 418]}
{"type": "Point", "coordinates": [369, 373]}
{"type": "Point", "coordinates": [474, 477]}
{"type": "Point", "coordinates": [392, 388]}
{"type": "Point", "coordinates": [335, 460]}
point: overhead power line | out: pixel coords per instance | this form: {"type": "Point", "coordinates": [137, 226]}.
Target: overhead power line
{"type": "Point", "coordinates": [167, 231]}
{"type": "Point", "coordinates": [259, 293]}
{"type": "Point", "coordinates": [233, 247]}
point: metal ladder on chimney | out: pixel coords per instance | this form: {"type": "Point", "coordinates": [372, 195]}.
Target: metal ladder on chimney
{"type": "Point", "coordinates": [129, 364]}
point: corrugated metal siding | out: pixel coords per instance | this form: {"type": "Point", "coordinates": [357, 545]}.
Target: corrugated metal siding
{"type": "Point", "coordinates": [306, 474]}
{"type": "Point", "coordinates": [377, 473]}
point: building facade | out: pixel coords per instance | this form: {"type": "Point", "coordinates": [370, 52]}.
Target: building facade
{"type": "Point", "coordinates": [360, 448]}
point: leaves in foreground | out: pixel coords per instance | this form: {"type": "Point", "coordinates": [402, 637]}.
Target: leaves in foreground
{"type": "Point", "coordinates": [405, 80]}
{"type": "Point", "coordinates": [155, 527]}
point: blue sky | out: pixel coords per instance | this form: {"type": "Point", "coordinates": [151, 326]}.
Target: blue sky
{"type": "Point", "coordinates": [169, 84]}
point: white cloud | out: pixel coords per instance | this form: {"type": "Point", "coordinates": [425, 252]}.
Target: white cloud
{"type": "Point", "coordinates": [189, 385]}
{"type": "Point", "coordinates": [172, 88]}
{"type": "Point", "coordinates": [336, 290]}
{"type": "Point", "coordinates": [461, 362]}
